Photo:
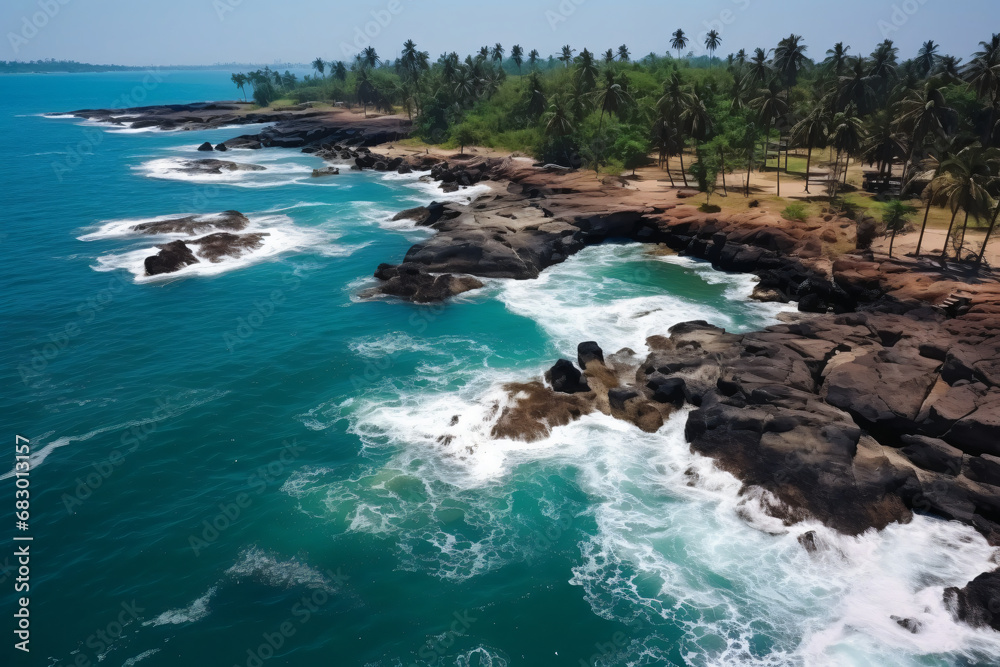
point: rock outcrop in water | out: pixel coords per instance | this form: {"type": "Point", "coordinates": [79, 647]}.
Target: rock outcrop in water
{"type": "Point", "coordinates": [232, 221]}
{"type": "Point", "coordinates": [219, 245]}
{"type": "Point", "coordinates": [414, 283]}
{"type": "Point", "coordinates": [214, 166]}
{"type": "Point", "coordinates": [172, 256]}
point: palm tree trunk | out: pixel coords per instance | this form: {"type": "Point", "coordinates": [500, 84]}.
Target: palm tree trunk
{"type": "Point", "coordinates": [836, 177]}
{"type": "Point", "coordinates": [961, 243]}
{"type": "Point", "coordinates": [927, 212]}
{"type": "Point", "coordinates": [722, 159]}
{"type": "Point", "coordinates": [669, 173]}
{"type": "Point", "coordinates": [847, 163]}
{"type": "Point", "coordinates": [891, 241]}
{"type": "Point", "coordinates": [982, 251]}
{"type": "Point", "coordinates": [777, 168]}
{"type": "Point", "coordinates": [809, 157]}
{"type": "Point", "coordinates": [944, 251]}
{"type": "Point", "coordinates": [683, 175]}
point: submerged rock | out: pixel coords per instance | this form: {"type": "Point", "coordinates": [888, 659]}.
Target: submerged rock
{"type": "Point", "coordinates": [223, 244]}
{"type": "Point", "coordinates": [232, 221]}
{"type": "Point", "coordinates": [214, 166]}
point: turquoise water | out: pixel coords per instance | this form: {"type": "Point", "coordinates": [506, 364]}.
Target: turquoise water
{"type": "Point", "coordinates": [244, 464]}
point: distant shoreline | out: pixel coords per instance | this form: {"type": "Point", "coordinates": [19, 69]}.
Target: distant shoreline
{"type": "Point", "coordinates": [69, 67]}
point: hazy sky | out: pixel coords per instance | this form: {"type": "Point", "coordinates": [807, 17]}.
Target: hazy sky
{"type": "Point", "coordinates": [189, 32]}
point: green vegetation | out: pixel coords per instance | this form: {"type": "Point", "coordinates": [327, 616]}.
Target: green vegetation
{"type": "Point", "coordinates": [895, 217]}
{"type": "Point", "coordinates": [796, 211]}
{"type": "Point", "coordinates": [928, 126]}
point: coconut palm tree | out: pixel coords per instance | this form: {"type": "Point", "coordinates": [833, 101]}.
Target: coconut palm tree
{"type": "Point", "coordinates": [340, 71]}
{"type": "Point", "coordinates": [983, 74]}
{"type": "Point", "coordinates": [613, 97]}
{"type": "Point", "coordinates": [836, 58]}
{"type": "Point", "coordinates": [769, 106]}
{"type": "Point", "coordinates": [855, 88]}
{"type": "Point", "coordinates": [925, 112]}
{"type": "Point", "coordinates": [812, 131]}
{"type": "Point", "coordinates": [679, 42]}
{"type": "Point", "coordinates": [989, 231]}
{"type": "Point", "coordinates": [369, 57]}
{"type": "Point", "coordinates": [558, 120]}
{"type": "Point", "coordinates": [760, 70]}
{"type": "Point", "coordinates": [533, 58]}
{"type": "Point", "coordinates": [319, 66]}
{"type": "Point", "coordinates": [847, 134]}
{"type": "Point", "coordinates": [969, 177]}
{"type": "Point", "coordinates": [713, 40]}
{"type": "Point", "coordinates": [609, 57]}
{"type": "Point", "coordinates": [586, 71]}
{"type": "Point", "coordinates": [517, 55]}
{"type": "Point", "coordinates": [567, 55]}
{"type": "Point", "coordinates": [927, 58]}
{"type": "Point", "coordinates": [241, 80]}
{"type": "Point", "coordinates": [497, 53]}
{"type": "Point", "coordinates": [536, 97]}
{"type": "Point", "coordinates": [623, 54]}
{"type": "Point", "coordinates": [883, 144]}
{"type": "Point", "coordinates": [789, 58]}
{"type": "Point", "coordinates": [671, 106]}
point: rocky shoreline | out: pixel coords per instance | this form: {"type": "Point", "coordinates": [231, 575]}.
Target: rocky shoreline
{"type": "Point", "coordinates": [883, 400]}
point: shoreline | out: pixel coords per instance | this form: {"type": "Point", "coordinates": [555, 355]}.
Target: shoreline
{"type": "Point", "coordinates": [885, 402]}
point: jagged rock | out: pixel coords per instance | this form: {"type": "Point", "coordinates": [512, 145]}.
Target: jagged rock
{"type": "Point", "coordinates": [932, 454]}
{"type": "Point", "coordinates": [207, 146]}
{"type": "Point", "coordinates": [566, 378]}
{"type": "Point", "coordinates": [232, 221]}
{"type": "Point", "coordinates": [667, 389]}
{"type": "Point", "coordinates": [172, 257]}
{"type": "Point", "coordinates": [214, 166]}
{"type": "Point", "coordinates": [413, 283]}
{"type": "Point", "coordinates": [978, 602]}
{"type": "Point", "coordinates": [223, 244]}
{"type": "Point", "coordinates": [325, 171]}
{"type": "Point", "coordinates": [589, 351]}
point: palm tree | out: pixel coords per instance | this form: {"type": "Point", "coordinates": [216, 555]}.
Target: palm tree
{"type": "Point", "coordinates": [969, 176]}
{"type": "Point", "coordinates": [613, 97]}
{"type": "Point", "coordinates": [558, 121]}
{"type": "Point", "coordinates": [924, 113]}
{"type": "Point", "coordinates": [623, 54]}
{"type": "Point", "coordinates": [949, 68]}
{"type": "Point", "coordinates": [855, 88]}
{"type": "Point", "coordinates": [517, 55]}
{"type": "Point", "coordinates": [770, 106]}
{"type": "Point", "coordinates": [846, 136]}
{"type": "Point", "coordinates": [895, 216]}
{"type": "Point", "coordinates": [319, 66]}
{"type": "Point", "coordinates": [536, 98]}
{"type": "Point", "coordinates": [609, 57]}
{"type": "Point", "coordinates": [671, 106]}
{"type": "Point", "coordinates": [812, 130]}
{"type": "Point", "coordinates": [760, 70]}
{"type": "Point", "coordinates": [836, 58]}
{"type": "Point", "coordinates": [567, 54]}
{"type": "Point", "coordinates": [340, 71]}
{"type": "Point", "coordinates": [712, 41]}
{"type": "Point", "coordinates": [789, 58]}
{"type": "Point", "coordinates": [241, 80]}
{"type": "Point", "coordinates": [679, 42]}
{"type": "Point", "coordinates": [883, 72]}
{"type": "Point", "coordinates": [927, 58]}
{"type": "Point", "coordinates": [883, 144]}
{"type": "Point", "coordinates": [586, 71]}
{"type": "Point", "coordinates": [369, 57]}
{"type": "Point", "coordinates": [497, 53]}
{"type": "Point", "coordinates": [983, 74]}
{"type": "Point", "coordinates": [533, 58]}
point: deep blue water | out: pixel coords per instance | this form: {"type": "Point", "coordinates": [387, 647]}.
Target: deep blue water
{"type": "Point", "coordinates": [246, 464]}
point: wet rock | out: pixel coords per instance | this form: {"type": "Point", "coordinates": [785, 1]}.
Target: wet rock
{"type": "Point", "coordinates": [207, 146]}
{"type": "Point", "coordinates": [566, 378]}
{"type": "Point", "coordinates": [214, 166]}
{"type": "Point", "coordinates": [978, 602]}
{"type": "Point", "coordinates": [325, 171]}
{"type": "Point", "coordinates": [215, 247]}
{"type": "Point", "coordinates": [232, 221]}
{"type": "Point", "coordinates": [172, 257]}
{"type": "Point", "coordinates": [589, 351]}
{"type": "Point", "coordinates": [413, 283]}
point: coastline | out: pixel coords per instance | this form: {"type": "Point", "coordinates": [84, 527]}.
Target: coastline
{"type": "Point", "coordinates": [891, 340]}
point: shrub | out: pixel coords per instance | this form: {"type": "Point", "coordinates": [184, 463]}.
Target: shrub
{"type": "Point", "coordinates": [709, 208]}
{"type": "Point", "coordinates": [796, 211]}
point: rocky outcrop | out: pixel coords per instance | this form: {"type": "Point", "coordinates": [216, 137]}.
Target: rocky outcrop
{"type": "Point", "coordinates": [325, 171]}
{"type": "Point", "coordinates": [232, 221]}
{"type": "Point", "coordinates": [214, 166]}
{"type": "Point", "coordinates": [173, 256]}
{"type": "Point", "coordinates": [411, 282]}
{"type": "Point", "coordinates": [978, 602]}
{"type": "Point", "coordinates": [215, 247]}
{"type": "Point", "coordinates": [207, 146]}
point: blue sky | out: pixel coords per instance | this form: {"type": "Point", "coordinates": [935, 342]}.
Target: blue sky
{"type": "Point", "coordinates": [189, 32]}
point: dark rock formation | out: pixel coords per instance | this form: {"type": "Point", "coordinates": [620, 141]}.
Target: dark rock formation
{"type": "Point", "coordinates": [978, 602]}
{"type": "Point", "coordinates": [413, 283]}
{"type": "Point", "coordinates": [588, 351]}
{"type": "Point", "coordinates": [565, 378]}
{"type": "Point", "coordinates": [215, 247]}
{"type": "Point", "coordinates": [214, 166]}
{"type": "Point", "coordinates": [325, 171]}
{"type": "Point", "coordinates": [172, 257]}
{"type": "Point", "coordinates": [207, 146]}
{"type": "Point", "coordinates": [232, 221]}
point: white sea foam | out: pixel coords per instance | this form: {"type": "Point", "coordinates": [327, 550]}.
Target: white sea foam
{"type": "Point", "coordinates": [268, 568]}
{"type": "Point", "coordinates": [197, 610]}
{"type": "Point", "coordinates": [139, 658]}
{"type": "Point", "coordinates": [281, 237]}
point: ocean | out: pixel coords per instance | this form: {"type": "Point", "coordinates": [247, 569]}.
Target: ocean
{"type": "Point", "coordinates": [243, 463]}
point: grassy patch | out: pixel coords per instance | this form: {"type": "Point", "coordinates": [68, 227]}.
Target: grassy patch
{"type": "Point", "coordinates": [796, 211]}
